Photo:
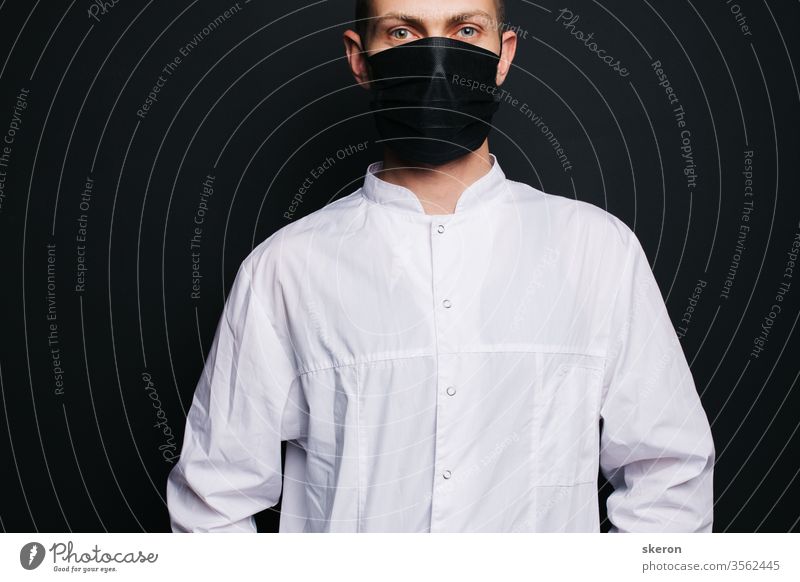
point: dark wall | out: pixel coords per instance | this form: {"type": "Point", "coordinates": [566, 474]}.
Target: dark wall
{"type": "Point", "coordinates": [103, 340]}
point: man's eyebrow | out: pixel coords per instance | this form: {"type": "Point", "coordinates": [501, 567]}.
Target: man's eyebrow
{"type": "Point", "coordinates": [464, 16]}
{"type": "Point", "coordinates": [395, 16]}
{"type": "Point", "coordinates": [470, 15]}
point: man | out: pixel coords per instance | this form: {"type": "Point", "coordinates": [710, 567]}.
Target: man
{"type": "Point", "coordinates": [440, 346]}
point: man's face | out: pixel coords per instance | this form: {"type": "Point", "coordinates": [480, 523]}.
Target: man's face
{"type": "Point", "coordinates": [396, 22]}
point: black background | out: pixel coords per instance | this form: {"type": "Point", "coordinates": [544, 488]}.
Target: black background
{"type": "Point", "coordinates": [263, 100]}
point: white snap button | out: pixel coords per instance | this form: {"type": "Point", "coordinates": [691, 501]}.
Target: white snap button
{"type": "Point", "coordinates": [447, 303]}
{"type": "Point", "coordinates": [446, 474]}
{"type": "Point", "coordinates": [451, 390]}
{"type": "Point", "coordinates": [440, 229]}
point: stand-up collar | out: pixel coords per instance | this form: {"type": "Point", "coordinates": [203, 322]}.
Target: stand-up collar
{"type": "Point", "coordinates": [485, 189]}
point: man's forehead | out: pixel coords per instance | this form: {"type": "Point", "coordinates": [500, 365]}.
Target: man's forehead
{"type": "Point", "coordinates": [414, 10]}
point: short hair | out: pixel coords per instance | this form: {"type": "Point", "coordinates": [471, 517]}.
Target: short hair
{"type": "Point", "coordinates": [363, 17]}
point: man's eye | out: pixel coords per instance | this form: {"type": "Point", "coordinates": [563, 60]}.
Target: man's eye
{"type": "Point", "coordinates": [468, 31]}
{"type": "Point", "coordinates": [400, 33]}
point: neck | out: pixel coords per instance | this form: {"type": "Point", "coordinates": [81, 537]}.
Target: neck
{"type": "Point", "coordinates": [437, 187]}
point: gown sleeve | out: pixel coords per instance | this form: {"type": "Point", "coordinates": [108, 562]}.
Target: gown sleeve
{"type": "Point", "coordinates": [656, 447]}
{"type": "Point", "coordinates": [230, 463]}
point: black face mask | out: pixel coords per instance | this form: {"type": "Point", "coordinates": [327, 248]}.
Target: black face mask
{"type": "Point", "coordinates": [433, 99]}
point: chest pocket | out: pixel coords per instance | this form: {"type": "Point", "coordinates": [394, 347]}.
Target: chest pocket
{"type": "Point", "coordinates": [566, 424]}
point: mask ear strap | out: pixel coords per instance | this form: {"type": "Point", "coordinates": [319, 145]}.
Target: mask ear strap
{"type": "Point", "coordinates": [366, 59]}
